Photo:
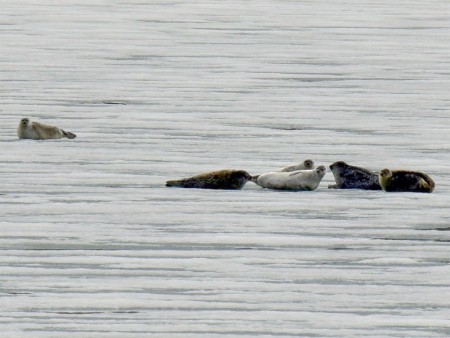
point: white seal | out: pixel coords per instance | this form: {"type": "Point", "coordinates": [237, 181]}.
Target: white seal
{"type": "Point", "coordinates": [40, 131]}
{"type": "Point", "coordinates": [305, 165]}
{"type": "Point", "coordinates": [296, 180]}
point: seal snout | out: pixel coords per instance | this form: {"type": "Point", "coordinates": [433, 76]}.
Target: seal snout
{"type": "Point", "coordinates": [309, 164]}
{"type": "Point", "coordinates": [321, 170]}
{"type": "Point", "coordinates": [254, 178]}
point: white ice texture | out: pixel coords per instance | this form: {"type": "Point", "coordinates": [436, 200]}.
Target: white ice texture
{"type": "Point", "coordinates": [94, 245]}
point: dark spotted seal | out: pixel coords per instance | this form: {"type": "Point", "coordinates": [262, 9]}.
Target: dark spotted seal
{"type": "Point", "coordinates": [351, 177]}
{"type": "Point", "coordinates": [222, 179]}
{"type": "Point", "coordinates": [40, 131]}
{"type": "Point", "coordinates": [295, 180]}
{"type": "Point", "coordinates": [405, 181]}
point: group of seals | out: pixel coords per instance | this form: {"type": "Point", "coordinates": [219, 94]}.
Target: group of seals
{"type": "Point", "coordinates": [296, 177]}
{"type": "Point", "coordinates": [41, 131]}
{"type": "Point", "coordinates": [303, 176]}
{"type": "Point", "coordinates": [352, 177]}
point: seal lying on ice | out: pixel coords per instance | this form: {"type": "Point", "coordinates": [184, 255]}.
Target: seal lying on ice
{"type": "Point", "coordinates": [351, 177]}
{"type": "Point", "coordinates": [305, 165]}
{"type": "Point", "coordinates": [40, 131]}
{"type": "Point", "coordinates": [294, 181]}
{"type": "Point", "coordinates": [405, 181]}
{"type": "Point", "coordinates": [222, 179]}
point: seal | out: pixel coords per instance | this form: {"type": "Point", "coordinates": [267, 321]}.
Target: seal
{"type": "Point", "coordinates": [405, 181]}
{"type": "Point", "coordinates": [40, 131]}
{"type": "Point", "coordinates": [305, 165]}
{"type": "Point", "coordinates": [352, 177]}
{"type": "Point", "coordinates": [294, 181]}
{"type": "Point", "coordinates": [227, 179]}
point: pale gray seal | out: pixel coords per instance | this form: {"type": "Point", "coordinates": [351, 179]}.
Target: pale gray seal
{"type": "Point", "coordinates": [294, 181]}
{"type": "Point", "coordinates": [40, 131]}
{"type": "Point", "coordinates": [305, 165]}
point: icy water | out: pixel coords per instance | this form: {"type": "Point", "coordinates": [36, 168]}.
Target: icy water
{"type": "Point", "coordinates": [94, 245]}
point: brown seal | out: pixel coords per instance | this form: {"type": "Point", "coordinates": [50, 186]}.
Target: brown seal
{"type": "Point", "coordinates": [227, 179]}
{"type": "Point", "coordinates": [405, 181]}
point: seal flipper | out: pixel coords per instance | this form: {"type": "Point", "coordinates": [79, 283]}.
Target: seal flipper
{"type": "Point", "coordinates": [174, 183]}
{"type": "Point", "coordinates": [183, 183]}
{"type": "Point", "coordinates": [425, 186]}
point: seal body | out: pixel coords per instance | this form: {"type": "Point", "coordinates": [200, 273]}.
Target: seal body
{"type": "Point", "coordinates": [405, 181]}
{"type": "Point", "coordinates": [294, 181]}
{"type": "Point", "coordinates": [305, 165]}
{"type": "Point", "coordinates": [352, 177]}
{"type": "Point", "coordinates": [227, 179]}
{"type": "Point", "coordinates": [40, 131]}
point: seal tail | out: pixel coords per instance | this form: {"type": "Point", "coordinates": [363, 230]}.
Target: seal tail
{"type": "Point", "coordinates": [426, 185]}
{"type": "Point", "coordinates": [68, 134]}
{"type": "Point", "coordinates": [173, 183]}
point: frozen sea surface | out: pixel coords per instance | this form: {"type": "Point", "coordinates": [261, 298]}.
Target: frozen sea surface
{"type": "Point", "coordinates": [93, 245]}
